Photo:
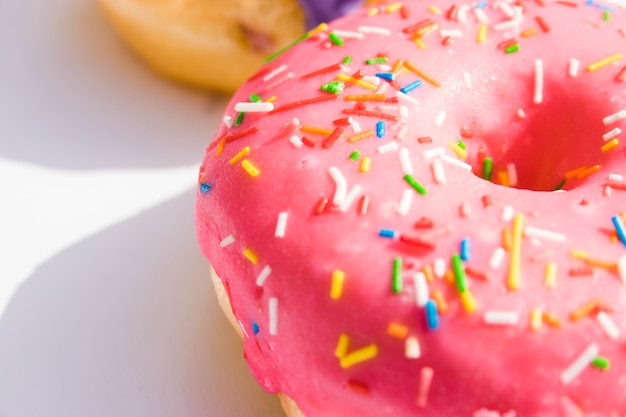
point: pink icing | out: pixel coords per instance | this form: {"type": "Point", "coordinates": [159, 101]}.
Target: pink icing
{"type": "Point", "coordinates": [280, 286]}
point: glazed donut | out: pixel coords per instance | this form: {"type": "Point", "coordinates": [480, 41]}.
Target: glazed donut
{"type": "Point", "coordinates": [214, 44]}
{"type": "Point", "coordinates": [419, 211]}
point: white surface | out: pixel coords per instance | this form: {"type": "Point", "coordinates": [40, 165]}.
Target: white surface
{"type": "Point", "coordinates": [106, 307]}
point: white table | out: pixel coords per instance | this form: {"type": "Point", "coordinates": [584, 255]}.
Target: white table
{"type": "Point", "coordinates": [106, 307]}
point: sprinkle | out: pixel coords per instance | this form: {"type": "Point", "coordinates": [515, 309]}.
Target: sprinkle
{"type": "Point", "coordinates": [265, 272]}
{"type": "Point", "coordinates": [254, 107]}
{"type": "Point", "coordinates": [374, 30]}
{"type": "Point", "coordinates": [538, 92]}
{"type": "Point", "coordinates": [440, 301]}
{"type": "Point", "coordinates": [388, 147]}
{"type": "Point", "coordinates": [366, 164]}
{"type": "Point", "coordinates": [482, 33]}
{"type": "Point", "coordinates": [434, 152]}
{"type": "Point", "coordinates": [465, 250]}
{"type": "Point", "coordinates": [350, 197]}
{"type": "Point", "coordinates": [306, 102]}
{"type": "Point", "coordinates": [501, 318]}
{"type": "Point", "coordinates": [604, 62]}
{"type": "Point", "coordinates": [438, 171]}
{"type": "Point", "coordinates": [432, 315]}
{"type": "Point", "coordinates": [516, 251]}
{"type": "Point", "coordinates": [530, 231]}
{"type": "Point", "coordinates": [347, 34]}
{"type": "Point", "coordinates": [347, 60]}
{"type": "Point", "coordinates": [456, 162]}
{"type": "Point", "coordinates": [588, 171]}
{"type": "Point", "coordinates": [274, 73]}
{"type": "Point", "coordinates": [411, 67]}
{"type": "Point", "coordinates": [439, 266]}
{"type": "Point", "coordinates": [227, 241]}
{"type": "Point", "coordinates": [360, 83]}
{"type": "Point", "coordinates": [396, 278]}
{"type": "Point", "coordinates": [333, 87]}
{"type": "Point", "coordinates": [380, 129]}
{"type": "Point", "coordinates": [333, 137]}
{"type": "Point", "coordinates": [366, 97]}
{"type": "Point", "coordinates": [335, 39]}
{"type": "Point", "coordinates": [273, 315]}
{"type": "Point", "coordinates": [358, 356]}
{"type": "Point", "coordinates": [411, 86]}
{"type": "Point", "coordinates": [393, 7]}
{"type": "Point", "coordinates": [336, 288]}
{"type": "Point", "coordinates": [536, 319]}
{"type": "Point", "coordinates": [621, 75]}
{"type": "Point", "coordinates": [370, 113]}
{"type": "Point", "coordinates": [426, 378]}
{"type": "Point", "coordinates": [469, 302]}
{"type": "Point", "coordinates": [550, 275]}
{"type": "Point", "coordinates": [421, 289]}
{"type": "Point", "coordinates": [619, 228]}
{"type": "Point", "coordinates": [255, 328]}
{"type": "Point", "coordinates": [542, 24]}
{"type": "Point", "coordinates": [459, 273]}
{"type": "Point", "coordinates": [412, 348]}
{"type": "Point", "coordinates": [441, 117]}
{"type": "Point", "coordinates": [512, 49]}
{"type": "Point", "coordinates": [251, 256]}
{"type": "Point", "coordinates": [621, 268]}
{"type": "Point", "coordinates": [205, 188]}
{"type": "Point", "coordinates": [405, 161]}
{"type": "Point", "coordinates": [615, 117]}
{"type": "Point", "coordinates": [343, 344]}
{"type": "Point", "coordinates": [612, 144]}
{"type": "Point", "coordinates": [241, 154]}
{"type": "Point", "coordinates": [405, 202]}
{"type": "Point", "coordinates": [397, 330]}
{"type": "Point", "coordinates": [607, 324]}
{"type": "Point", "coordinates": [241, 133]}
{"type": "Point", "coordinates": [417, 241]}
{"type": "Point", "coordinates": [612, 134]}
{"type": "Point", "coordinates": [363, 204]}
{"type": "Point", "coordinates": [511, 171]}
{"type": "Point", "coordinates": [579, 364]}
{"type": "Point", "coordinates": [601, 362]}
{"type": "Point", "coordinates": [527, 33]}
{"type": "Point", "coordinates": [459, 151]}
{"type": "Point", "coordinates": [330, 68]}
{"type": "Point", "coordinates": [281, 224]}
{"type": "Point", "coordinates": [375, 61]}
{"type": "Point", "coordinates": [249, 168]}
{"type": "Point", "coordinates": [507, 213]}
{"type": "Point", "coordinates": [414, 184]}
{"type": "Point", "coordinates": [355, 155]}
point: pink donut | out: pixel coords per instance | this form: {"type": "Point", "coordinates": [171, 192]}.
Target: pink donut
{"type": "Point", "coordinates": [422, 212]}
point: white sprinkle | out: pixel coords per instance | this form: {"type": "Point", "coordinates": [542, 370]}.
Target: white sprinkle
{"type": "Point", "coordinates": [441, 117]}
{"type": "Point", "coordinates": [579, 364]}
{"type": "Point", "coordinates": [404, 111]}
{"type": "Point", "coordinates": [372, 79]}
{"type": "Point", "coordinates": [281, 224]}
{"type": "Point", "coordinates": [244, 106]}
{"type": "Point", "coordinates": [405, 202]}
{"type": "Point", "coordinates": [481, 16]}
{"type": "Point", "coordinates": [228, 121]}
{"type": "Point", "coordinates": [346, 34]}
{"type": "Point", "coordinates": [496, 258]}
{"type": "Point", "coordinates": [501, 318]}
{"type": "Point", "coordinates": [615, 117]}
{"type": "Point", "coordinates": [521, 113]}
{"type": "Point", "coordinates": [405, 98]}
{"type": "Point", "coordinates": [538, 95]}
{"type": "Point", "coordinates": [511, 171]}
{"type": "Point", "coordinates": [341, 185]}
{"type": "Point", "coordinates": [388, 147]}
{"type": "Point", "coordinates": [531, 231]}
{"type": "Point", "coordinates": [228, 240]}
{"type": "Point", "coordinates": [405, 161]}
{"type": "Point", "coordinates": [412, 348]}
{"type": "Point", "coordinates": [468, 79]}
{"type": "Point", "coordinates": [616, 177]}
{"type": "Point", "coordinates": [452, 33]}
{"type": "Point", "coordinates": [574, 66]}
{"type": "Point", "coordinates": [421, 289]}
{"type": "Point", "coordinates": [621, 268]}
{"type": "Point", "coordinates": [265, 272]}
{"type": "Point", "coordinates": [507, 213]}
{"type": "Point", "coordinates": [431, 153]}
{"type": "Point", "coordinates": [608, 325]}
{"type": "Point", "coordinates": [382, 88]}
{"type": "Point", "coordinates": [350, 197]}
{"type": "Point", "coordinates": [439, 267]}
{"type": "Point", "coordinates": [274, 73]}
{"type": "Point", "coordinates": [356, 127]}
{"type": "Point", "coordinates": [512, 24]}
{"type": "Point", "coordinates": [374, 29]}
{"type": "Point", "coordinates": [296, 141]}
{"type": "Point", "coordinates": [504, 8]}
{"type": "Point", "coordinates": [438, 173]}
{"type": "Point", "coordinates": [461, 15]}
{"type": "Point", "coordinates": [456, 162]}
{"type": "Point", "coordinates": [612, 134]}
{"type": "Point", "coordinates": [607, 191]}
{"type": "Point", "coordinates": [273, 315]}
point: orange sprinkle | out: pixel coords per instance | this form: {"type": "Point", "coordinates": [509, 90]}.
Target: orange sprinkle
{"type": "Point", "coordinates": [316, 130]}
{"type": "Point", "coordinates": [610, 145]}
{"type": "Point", "coordinates": [360, 83]}
{"type": "Point", "coordinates": [449, 276]}
{"type": "Point", "coordinates": [604, 62]}
{"type": "Point", "coordinates": [527, 33]}
{"type": "Point", "coordinates": [440, 301]}
{"type": "Point", "coordinates": [574, 172]}
{"type": "Point", "coordinates": [220, 147]}
{"type": "Point", "coordinates": [397, 66]}
{"type": "Point", "coordinates": [362, 135]}
{"type": "Point", "coordinates": [411, 67]}
{"type": "Point", "coordinates": [366, 97]}
{"type": "Point", "coordinates": [251, 256]}
{"type": "Point", "coordinates": [551, 320]}
{"type": "Point", "coordinates": [397, 330]}
{"type": "Point", "coordinates": [271, 99]}
{"type": "Point", "coordinates": [503, 177]}
{"type": "Point", "coordinates": [585, 310]}
{"type": "Point", "coordinates": [588, 171]}
{"type": "Point", "coordinates": [601, 263]}
{"type": "Point", "coordinates": [428, 272]}
{"type": "Point", "coordinates": [506, 238]}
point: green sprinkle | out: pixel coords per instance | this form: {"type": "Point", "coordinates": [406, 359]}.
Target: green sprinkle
{"type": "Point", "coordinates": [355, 155]}
{"type": "Point", "coordinates": [254, 98]}
{"type": "Point", "coordinates": [461, 144]}
{"type": "Point", "coordinates": [487, 168]}
{"type": "Point", "coordinates": [347, 60]}
{"type": "Point", "coordinates": [459, 273]}
{"type": "Point", "coordinates": [379, 60]}
{"type": "Point", "coordinates": [601, 362]}
{"type": "Point", "coordinates": [335, 87]}
{"type": "Point", "coordinates": [416, 185]}
{"type": "Point", "coordinates": [606, 16]}
{"type": "Point", "coordinates": [396, 279]}
{"type": "Point", "coordinates": [511, 49]}
{"type": "Point", "coordinates": [336, 40]}
{"type": "Point", "coordinates": [560, 186]}
{"type": "Point", "coordinates": [286, 48]}
{"type": "Point", "coordinates": [239, 119]}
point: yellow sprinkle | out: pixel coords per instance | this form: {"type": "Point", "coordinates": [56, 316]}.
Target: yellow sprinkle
{"type": "Point", "coordinates": [373, 11]}
{"type": "Point", "coordinates": [550, 275]}
{"type": "Point", "coordinates": [516, 252]}
{"type": "Point", "coordinates": [251, 256]}
{"type": "Point", "coordinates": [527, 33]}
{"type": "Point", "coordinates": [482, 33]}
{"type": "Point", "coordinates": [358, 356]}
{"type": "Point", "coordinates": [337, 284]}
{"type": "Point", "coordinates": [393, 7]}
{"type": "Point", "coordinates": [397, 66]}
{"type": "Point", "coordinates": [322, 27]}
{"type": "Point", "coordinates": [420, 43]}
{"type": "Point", "coordinates": [271, 99]}
{"type": "Point", "coordinates": [460, 152]}
{"type": "Point", "coordinates": [411, 67]}
{"type": "Point", "coordinates": [536, 319]}
{"type": "Point", "coordinates": [316, 130]}
{"type": "Point", "coordinates": [579, 254]}
{"type": "Point", "coordinates": [366, 163]}
{"type": "Point", "coordinates": [604, 62]}
{"type": "Point", "coordinates": [434, 9]}
{"type": "Point", "coordinates": [245, 151]}
{"type": "Point", "coordinates": [468, 301]}
{"type": "Point", "coordinates": [588, 171]}
{"type": "Point", "coordinates": [250, 169]}
{"type": "Point", "coordinates": [220, 147]}
{"type": "Point", "coordinates": [442, 306]}
{"type": "Point", "coordinates": [397, 330]}
{"type": "Point", "coordinates": [342, 345]}
{"type": "Point", "coordinates": [610, 145]}
{"type": "Point", "coordinates": [361, 135]}
{"type": "Point", "coordinates": [360, 83]}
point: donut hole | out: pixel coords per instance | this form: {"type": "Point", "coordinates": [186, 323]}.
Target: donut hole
{"type": "Point", "coordinates": [555, 145]}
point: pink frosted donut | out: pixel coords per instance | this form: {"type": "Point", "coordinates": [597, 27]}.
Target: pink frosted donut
{"type": "Point", "coordinates": [419, 211]}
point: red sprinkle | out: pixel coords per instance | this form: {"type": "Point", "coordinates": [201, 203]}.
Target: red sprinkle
{"type": "Point", "coordinates": [506, 43]}
{"type": "Point", "coordinates": [332, 138]}
{"type": "Point", "coordinates": [542, 24]}
{"type": "Point", "coordinates": [475, 273]}
{"type": "Point", "coordinates": [320, 207]}
{"type": "Point", "coordinates": [487, 201]}
{"type": "Point", "coordinates": [447, 41]}
{"type": "Point", "coordinates": [360, 105]}
{"type": "Point", "coordinates": [358, 387]}
{"type": "Point", "coordinates": [416, 26]}
{"type": "Point", "coordinates": [467, 133]}
{"type": "Point", "coordinates": [330, 68]}
{"type": "Point", "coordinates": [371, 113]}
{"type": "Point", "coordinates": [424, 223]}
{"type": "Point", "coordinates": [582, 271]}
{"type": "Point", "coordinates": [404, 12]}
{"type": "Point", "coordinates": [425, 139]}
{"type": "Point", "coordinates": [417, 241]}
{"type": "Point", "coordinates": [452, 12]}
{"type": "Point", "coordinates": [300, 103]}
{"type": "Point", "coordinates": [364, 203]}
{"type": "Point", "coordinates": [567, 3]}
{"type": "Point", "coordinates": [344, 121]}
{"type": "Point", "coordinates": [621, 76]}
{"type": "Point", "coordinates": [616, 185]}
{"type": "Point", "coordinates": [308, 141]}
{"type": "Point", "coordinates": [237, 135]}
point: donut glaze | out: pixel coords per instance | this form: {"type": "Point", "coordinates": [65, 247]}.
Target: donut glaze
{"type": "Point", "coordinates": [387, 227]}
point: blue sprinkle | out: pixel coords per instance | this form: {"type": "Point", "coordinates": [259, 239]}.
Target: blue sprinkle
{"type": "Point", "coordinates": [466, 252]}
{"type": "Point", "coordinates": [389, 76]}
{"type": "Point", "coordinates": [255, 328]}
{"type": "Point", "coordinates": [412, 86]}
{"type": "Point", "coordinates": [432, 315]}
{"type": "Point", "coordinates": [380, 129]}
{"type": "Point", "coordinates": [205, 188]}
{"type": "Point", "coordinates": [481, 5]}
{"type": "Point", "coordinates": [619, 228]}
{"type": "Point", "coordinates": [387, 233]}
